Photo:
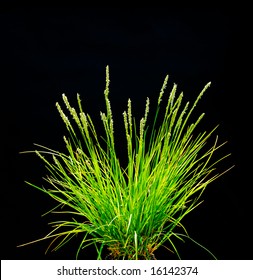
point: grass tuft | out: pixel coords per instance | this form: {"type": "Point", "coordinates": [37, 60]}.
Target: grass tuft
{"type": "Point", "coordinates": [133, 210]}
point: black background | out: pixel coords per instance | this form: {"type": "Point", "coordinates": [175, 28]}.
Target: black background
{"type": "Point", "coordinates": [46, 52]}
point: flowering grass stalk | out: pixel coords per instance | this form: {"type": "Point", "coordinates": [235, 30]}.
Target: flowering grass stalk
{"type": "Point", "coordinates": [133, 210]}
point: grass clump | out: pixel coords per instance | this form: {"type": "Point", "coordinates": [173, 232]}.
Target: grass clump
{"type": "Point", "coordinates": [128, 210]}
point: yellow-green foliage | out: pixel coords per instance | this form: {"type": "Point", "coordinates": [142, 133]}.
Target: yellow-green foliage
{"type": "Point", "coordinates": [131, 210]}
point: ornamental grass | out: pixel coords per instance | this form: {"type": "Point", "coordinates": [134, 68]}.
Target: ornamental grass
{"type": "Point", "coordinates": [128, 211]}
